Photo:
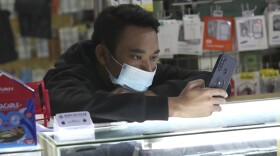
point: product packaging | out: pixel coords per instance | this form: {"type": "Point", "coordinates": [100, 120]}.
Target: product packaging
{"type": "Point", "coordinates": [218, 33]}
{"type": "Point", "coordinates": [246, 83]}
{"type": "Point", "coordinates": [251, 33]}
{"type": "Point", "coordinates": [17, 113]}
{"type": "Point", "coordinates": [270, 81]}
{"type": "Point", "coordinates": [172, 40]}
{"type": "Point", "coordinates": [42, 48]}
{"type": "Point", "coordinates": [168, 38]}
{"type": "Point", "coordinates": [190, 38]}
{"type": "Point", "coordinates": [273, 24]}
{"type": "Point", "coordinates": [67, 37]}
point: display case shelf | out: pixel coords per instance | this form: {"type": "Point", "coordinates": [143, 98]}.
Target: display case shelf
{"type": "Point", "coordinates": [22, 151]}
{"type": "Point", "coordinates": [245, 127]}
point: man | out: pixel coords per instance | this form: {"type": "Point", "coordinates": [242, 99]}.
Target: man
{"type": "Point", "coordinates": [116, 75]}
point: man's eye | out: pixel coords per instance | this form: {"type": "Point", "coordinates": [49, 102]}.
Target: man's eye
{"type": "Point", "coordinates": [155, 58]}
{"type": "Point", "coordinates": [137, 57]}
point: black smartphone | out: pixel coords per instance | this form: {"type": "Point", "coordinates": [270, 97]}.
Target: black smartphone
{"type": "Point", "coordinates": [222, 72]}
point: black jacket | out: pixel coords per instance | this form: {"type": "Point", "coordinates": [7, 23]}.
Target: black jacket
{"type": "Point", "coordinates": [74, 85]}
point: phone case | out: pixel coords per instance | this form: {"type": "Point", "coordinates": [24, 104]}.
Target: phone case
{"type": "Point", "coordinates": [222, 72]}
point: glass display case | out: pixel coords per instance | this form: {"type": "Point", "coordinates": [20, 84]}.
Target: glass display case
{"type": "Point", "coordinates": [246, 127]}
{"type": "Point", "coordinates": [22, 151]}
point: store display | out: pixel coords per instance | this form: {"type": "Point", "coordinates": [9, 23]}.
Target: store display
{"type": "Point", "coordinates": [251, 33]}
{"type": "Point", "coordinates": [192, 27]}
{"type": "Point", "coordinates": [270, 81]}
{"type": "Point", "coordinates": [7, 45]}
{"type": "Point", "coordinates": [172, 40]}
{"type": "Point", "coordinates": [42, 46]}
{"type": "Point", "coordinates": [168, 38]}
{"type": "Point", "coordinates": [67, 37]}
{"type": "Point", "coordinates": [273, 26]}
{"type": "Point", "coordinates": [248, 128]}
{"type": "Point", "coordinates": [68, 6]}
{"type": "Point", "coordinates": [247, 83]}
{"type": "Point", "coordinates": [190, 37]}
{"type": "Point", "coordinates": [241, 128]}
{"type": "Point", "coordinates": [17, 113]}
{"type": "Point", "coordinates": [34, 18]}
{"type": "Point", "coordinates": [189, 47]}
{"type": "Point", "coordinates": [218, 33]}
{"type": "Point", "coordinates": [22, 151]}
{"type": "Point", "coordinates": [24, 48]}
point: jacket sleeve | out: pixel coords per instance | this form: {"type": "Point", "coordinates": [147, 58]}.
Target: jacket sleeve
{"type": "Point", "coordinates": [170, 80]}
{"type": "Point", "coordinates": [71, 90]}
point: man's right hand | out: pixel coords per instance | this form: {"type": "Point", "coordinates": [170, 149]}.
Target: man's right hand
{"type": "Point", "coordinates": [196, 101]}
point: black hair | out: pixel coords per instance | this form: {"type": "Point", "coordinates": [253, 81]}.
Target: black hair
{"type": "Point", "coordinates": [111, 21]}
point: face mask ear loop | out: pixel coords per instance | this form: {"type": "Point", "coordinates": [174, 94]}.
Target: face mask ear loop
{"type": "Point", "coordinates": [107, 69]}
{"type": "Point", "coordinates": [116, 60]}
{"type": "Point", "coordinates": [112, 56]}
{"type": "Point", "coordinates": [150, 66]}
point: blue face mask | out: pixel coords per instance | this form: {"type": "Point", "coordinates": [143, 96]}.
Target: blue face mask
{"type": "Point", "coordinates": [133, 78]}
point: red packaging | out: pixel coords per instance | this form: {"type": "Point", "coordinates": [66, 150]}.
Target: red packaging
{"type": "Point", "coordinates": [218, 33]}
{"type": "Point", "coordinates": [17, 113]}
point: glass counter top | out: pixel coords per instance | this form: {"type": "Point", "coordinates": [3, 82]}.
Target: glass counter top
{"type": "Point", "coordinates": [250, 114]}
{"type": "Point", "coordinates": [25, 149]}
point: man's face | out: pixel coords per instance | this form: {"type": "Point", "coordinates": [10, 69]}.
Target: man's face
{"type": "Point", "coordinates": [137, 47]}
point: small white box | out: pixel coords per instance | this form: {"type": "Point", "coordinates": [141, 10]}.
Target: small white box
{"type": "Point", "coordinates": [190, 46]}
{"type": "Point", "coordinates": [73, 126]}
{"type": "Point", "coordinates": [251, 33]}
{"type": "Point", "coordinates": [168, 38]}
{"type": "Point", "coordinates": [273, 23]}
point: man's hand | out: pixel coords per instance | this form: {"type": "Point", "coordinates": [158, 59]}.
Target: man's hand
{"type": "Point", "coordinates": [196, 101]}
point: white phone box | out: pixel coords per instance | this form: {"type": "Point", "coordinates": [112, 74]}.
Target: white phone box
{"type": "Point", "coordinates": [251, 33]}
{"type": "Point", "coordinates": [273, 24]}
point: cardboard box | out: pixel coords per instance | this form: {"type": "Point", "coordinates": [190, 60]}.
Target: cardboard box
{"type": "Point", "coordinates": [191, 45]}
{"type": "Point", "coordinates": [218, 33]}
{"type": "Point", "coordinates": [251, 33]}
{"type": "Point", "coordinates": [273, 24]}
{"type": "Point", "coordinates": [168, 38]}
{"type": "Point", "coordinates": [17, 113]}
{"type": "Point", "coordinates": [172, 41]}
{"type": "Point", "coordinates": [247, 83]}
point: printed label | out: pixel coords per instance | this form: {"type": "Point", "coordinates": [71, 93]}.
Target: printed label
{"type": "Point", "coordinates": [73, 119]}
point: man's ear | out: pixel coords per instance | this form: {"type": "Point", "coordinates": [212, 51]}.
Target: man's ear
{"type": "Point", "coordinates": [101, 54]}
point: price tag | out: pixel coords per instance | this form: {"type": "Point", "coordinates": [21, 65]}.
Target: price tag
{"type": "Point", "coordinates": [73, 119]}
